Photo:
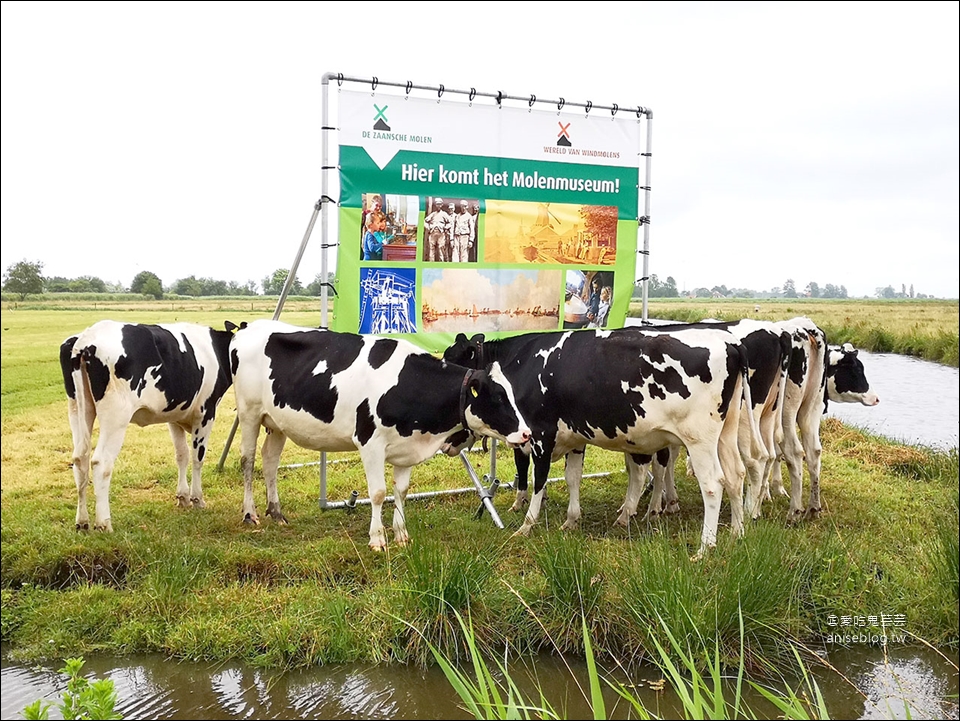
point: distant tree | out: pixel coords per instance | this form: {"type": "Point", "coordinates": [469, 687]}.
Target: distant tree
{"type": "Point", "coordinates": [789, 289]}
{"type": "Point", "coordinates": [670, 288]}
{"type": "Point", "coordinates": [775, 291]}
{"type": "Point", "coordinates": [187, 286]}
{"type": "Point", "coordinates": [903, 290]}
{"type": "Point", "coordinates": [887, 292]}
{"type": "Point", "coordinates": [153, 288]}
{"type": "Point", "coordinates": [911, 290]}
{"type": "Point", "coordinates": [56, 284]}
{"type": "Point", "coordinates": [812, 289]}
{"type": "Point", "coordinates": [703, 293]}
{"type": "Point", "coordinates": [140, 280]}
{"type": "Point", "coordinates": [273, 284]}
{"type": "Point", "coordinates": [843, 291]}
{"type": "Point", "coordinates": [315, 287]}
{"type": "Point", "coordinates": [721, 289]}
{"type": "Point", "coordinates": [248, 288]}
{"type": "Point", "coordinates": [24, 278]}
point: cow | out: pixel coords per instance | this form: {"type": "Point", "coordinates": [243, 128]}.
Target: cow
{"type": "Point", "coordinates": [767, 352]}
{"type": "Point", "coordinates": [813, 377]}
{"type": "Point", "coordinates": [384, 397]}
{"type": "Point", "coordinates": [122, 373]}
{"type": "Point", "coordinates": [626, 390]}
{"type": "Point", "coordinates": [817, 374]}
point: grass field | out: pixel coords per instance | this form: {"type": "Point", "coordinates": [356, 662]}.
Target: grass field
{"type": "Point", "coordinates": [199, 584]}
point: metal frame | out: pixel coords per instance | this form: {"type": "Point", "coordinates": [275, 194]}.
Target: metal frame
{"type": "Point", "coordinates": [321, 208]}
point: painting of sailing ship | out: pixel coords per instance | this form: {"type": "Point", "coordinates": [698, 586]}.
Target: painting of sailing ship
{"type": "Point", "coordinates": [462, 300]}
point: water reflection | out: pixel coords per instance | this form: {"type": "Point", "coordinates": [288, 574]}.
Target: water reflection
{"type": "Point", "coordinates": [919, 401]}
{"type": "Point", "coordinates": [883, 685]}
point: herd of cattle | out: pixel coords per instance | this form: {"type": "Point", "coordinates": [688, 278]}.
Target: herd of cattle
{"type": "Point", "coordinates": [739, 396]}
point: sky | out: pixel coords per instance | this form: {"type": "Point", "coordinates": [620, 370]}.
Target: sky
{"type": "Point", "coordinates": [793, 140]}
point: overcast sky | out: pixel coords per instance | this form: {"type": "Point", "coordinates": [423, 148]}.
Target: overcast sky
{"type": "Point", "coordinates": [809, 141]}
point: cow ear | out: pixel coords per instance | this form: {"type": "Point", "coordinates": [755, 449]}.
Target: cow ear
{"type": "Point", "coordinates": [229, 326]}
{"type": "Point", "coordinates": [476, 380]}
{"type": "Point", "coordinates": [460, 338]}
{"type": "Point", "coordinates": [478, 338]}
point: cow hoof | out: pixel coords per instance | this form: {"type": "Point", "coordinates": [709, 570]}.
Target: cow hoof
{"type": "Point", "coordinates": [523, 531]}
{"type": "Point", "coordinates": [518, 505]}
{"type": "Point", "coordinates": [794, 517]}
{"type": "Point", "coordinates": [198, 503]}
{"type": "Point", "coordinates": [569, 526]}
{"type": "Point", "coordinates": [251, 520]}
{"type": "Point", "coordinates": [274, 512]}
{"type": "Point", "coordinates": [83, 526]}
{"type": "Point", "coordinates": [812, 514]}
{"type": "Point", "coordinates": [105, 526]}
{"type": "Point", "coordinates": [651, 517]}
{"type": "Point", "coordinates": [378, 548]}
{"type": "Point", "coordinates": [183, 502]}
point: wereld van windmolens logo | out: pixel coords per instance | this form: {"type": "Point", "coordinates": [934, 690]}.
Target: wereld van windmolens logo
{"type": "Point", "coordinates": [381, 129]}
{"type": "Point", "coordinates": [565, 146]}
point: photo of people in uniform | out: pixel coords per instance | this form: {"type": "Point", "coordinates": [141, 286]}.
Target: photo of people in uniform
{"type": "Point", "coordinates": [450, 230]}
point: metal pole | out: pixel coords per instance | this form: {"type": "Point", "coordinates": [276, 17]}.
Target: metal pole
{"type": "Point", "coordinates": [276, 314]}
{"type": "Point", "coordinates": [646, 215]}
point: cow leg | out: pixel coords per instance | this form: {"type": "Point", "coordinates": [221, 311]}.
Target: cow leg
{"type": "Point", "coordinates": [793, 455]}
{"type": "Point", "coordinates": [182, 454]}
{"type": "Point", "coordinates": [733, 472]}
{"type": "Point", "coordinates": [541, 470]}
{"type": "Point", "coordinates": [81, 427]}
{"type": "Point", "coordinates": [668, 470]}
{"type": "Point", "coordinates": [113, 429]}
{"type": "Point", "coordinates": [401, 484]}
{"type": "Point", "coordinates": [270, 457]}
{"type": "Point", "coordinates": [754, 458]}
{"type": "Point", "coordinates": [709, 475]}
{"type": "Point", "coordinates": [201, 436]}
{"type": "Point", "coordinates": [573, 474]}
{"type": "Point", "coordinates": [812, 451]}
{"type": "Point", "coordinates": [249, 433]}
{"type": "Point", "coordinates": [373, 467]}
{"type": "Point", "coordinates": [522, 462]}
{"type": "Point", "coordinates": [636, 465]}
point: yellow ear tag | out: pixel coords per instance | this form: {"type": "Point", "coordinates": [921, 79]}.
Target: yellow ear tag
{"type": "Point", "coordinates": [474, 392]}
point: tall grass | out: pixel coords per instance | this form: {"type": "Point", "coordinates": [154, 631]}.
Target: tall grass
{"type": "Point", "coordinates": [697, 679]}
{"type": "Point", "coordinates": [741, 596]}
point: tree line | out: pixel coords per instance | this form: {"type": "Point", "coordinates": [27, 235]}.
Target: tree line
{"type": "Point", "coordinates": [26, 278]}
{"type": "Point", "coordinates": [668, 289]}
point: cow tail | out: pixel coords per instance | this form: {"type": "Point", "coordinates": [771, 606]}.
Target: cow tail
{"type": "Point", "coordinates": [747, 397]}
{"type": "Point", "coordinates": [86, 408]}
{"type": "Point", "coordinates": [786, 346]}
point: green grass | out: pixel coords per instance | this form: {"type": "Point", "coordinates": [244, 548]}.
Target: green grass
{"type": "Point", "coordinates": [927, 329]}
{"type": "Point", "coordinates": [198, 584]}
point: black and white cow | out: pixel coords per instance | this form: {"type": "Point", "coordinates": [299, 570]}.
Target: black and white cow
{"type": "Point", "coordinates": [817, 373]}
{"type": "Point", "coordinates": [812, 378]}
{"type": "Point", "coordinates": [390, 400]}
{"type": "Point", "coordinates": [126, 373]}
{"type": "Point", "coordinates": [768, 354]}
{"type": "Point", "coordinates": [631, 391]}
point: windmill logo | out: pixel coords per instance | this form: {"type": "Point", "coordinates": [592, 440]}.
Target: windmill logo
{"type": "Point", "coordinates": [380, 119]}
{"type": "Point", "coordinates": [563, 137]}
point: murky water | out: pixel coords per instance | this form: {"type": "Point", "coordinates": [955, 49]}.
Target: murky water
{"type": "Point", "coordinates": [919, 401]}
{"type": "Point", "coordinates": [904, 683]}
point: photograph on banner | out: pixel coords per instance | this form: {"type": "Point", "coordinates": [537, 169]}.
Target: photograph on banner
{"type": "Point", "coordinates": [388, 230]}
{"type": "Point", "coordinates": [542, 232]}
{"type": "Point", "coordinates": [388, 300]}
{"type": "Point", "coordinates": [587, 300]}
{"type": "Point", "coordinates": [484, 300]}
{"type": "Point", "coordinates": [450, 229]}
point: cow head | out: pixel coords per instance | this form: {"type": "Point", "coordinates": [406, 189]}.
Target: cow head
{"type": "Point", "coordinates": [488, 407]}
{"type": "Point", "coordinates": [846, 379]}
{"type": "Point", "coordinates": [466, 352]}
